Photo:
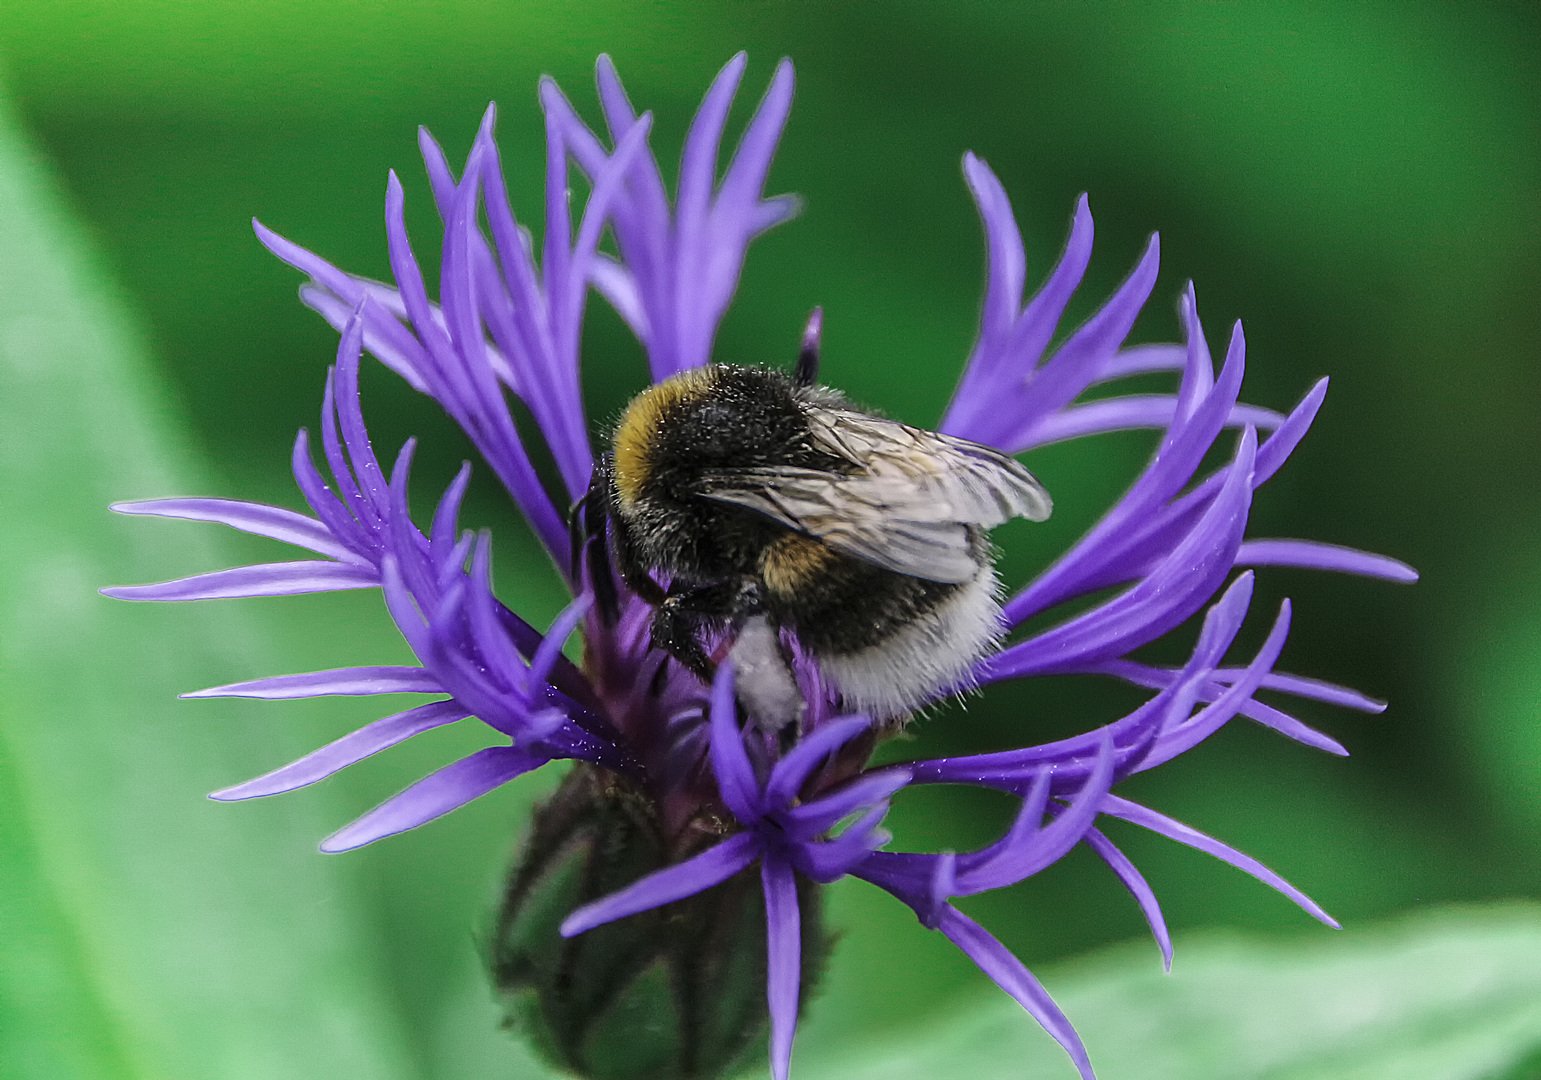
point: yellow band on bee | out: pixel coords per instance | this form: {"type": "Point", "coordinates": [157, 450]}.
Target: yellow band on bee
{"type": "Point", "coordinates": [791, 561]}
{"type": "Point", "coordinates": [639, 426]}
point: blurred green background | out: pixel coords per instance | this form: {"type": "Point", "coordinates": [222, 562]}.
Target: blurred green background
{"type": "Point", "coordinates": [1360, 183]}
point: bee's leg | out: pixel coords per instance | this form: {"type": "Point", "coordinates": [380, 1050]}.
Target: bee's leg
{"type": "Point", "coordinates": [578, 531]}
{"type": "Point", "coordinates": [587, 533]}
{"type": "Point", "coordinates": [679, 616]}
{"type": "Point", "coordinates": [807, 371]}
{"type": "Point", "coordinates": [588, 529]}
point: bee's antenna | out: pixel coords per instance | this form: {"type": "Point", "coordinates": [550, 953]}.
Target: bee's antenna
{"type": "Point", "coordinates": [807, 372]}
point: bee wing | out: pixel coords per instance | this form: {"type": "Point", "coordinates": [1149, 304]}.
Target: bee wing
{"type": "Point", "coordinates": [954, 479]}
{"type": "Point", "coordinates": [909, 504]}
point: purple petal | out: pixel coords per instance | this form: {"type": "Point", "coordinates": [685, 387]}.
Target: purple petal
{"type": "Point", "coordinates": [1198, 369]}
{"type": "Point", "coordinates": [696, 874]}
{"type": "Point", "coordinates": [1027, 849]}
{"type": "Point", "coordinates": [1317, 556]}
{"type": "Point", "coordinates": [1138, 887]}
{"type": "Point", "coordinates": [1135, 411]}
{"type": "Point", "coordinates": [771, 212]}
{"type": "Point", "coordinates": [1039, 320]}
{"type": "Point", "coordinates": [1132, 734]}
{"type": "Point", "coordinates": [784, 965]}
{"type": "Point", "coordinates": [1010, 769]}
{"type": "Point", "coordinates": [1074, 364]}
{"type": "Point", "coordinates": [405, 541]}
{"type": "Point", "coordinates": [1283, 723]}
{"type": "Point", "coordinates": [792, 771]}
{"type": "Point", "coordinates": [1290, 727]}
{"type": "Point", "coordinates": [487, 631]}
{"type": "Point", "coordinates": [350, 413]}
{"type": "Point", "coordinates": [830, 860]}
{"type": "Point", "coordinates": [441, 178]}
{"type": "Point", "coordinates": [570, 442]}
{"type": "Point", "coordinates": [996, 961]}
{"type": "Point", "coordinates": [680, 269]}
{"type": "Point", "coordinates": [1213, 716]}
{"type": "Point", "coordinates": [709, 234]}
{"type": "Point", "coordinates": [615, 283]}
{"type": "Point", "coordinates": [348, 490]}
{"type": "Point", "coordinates": [992, 868]}
{"type": "Point", "coordinates": [943, 885]}
{"type": "Point", "coordinates": [581, 143]}
{"type": "Point", "coordinates": [1121, 546]}
{"type": "Point", "coordinates": [1003, 358]}
{"type": "Point", "coordinates": [446, 515]}
{"type": "Point", "coordinates": [551, 647]}
{"type": "Point", "coordinates": [642, 226]}
{"type": "Point", "coordinates": [264, 579]}
{"type": "Point", "coordinates": [1272, 455]}
{"type": "Point", "coordinates": [385, 337]}
{"type": "Point", "coordinates": [1006, 268]}
{"type": "Point", "coordinates": [822, 814]}
{"type": "Point", "coordinates": [620, 116]}
{"type": "Point", "coordinates": [1164, 599]}
{"type": "Point", "coordinates": [344, 682]}
{"type": "Point", "coordinates": [348, 750]}
{"type": "Point", "coordinates": [1055, 841]}
{"type": "Point", "coordinates": [530, 316]}
{"type": "Point", "coordinates": [272, 522]}
{"type": "Point", "coordinates": [1158, 823]}
{"type": "Point", "coordinates": [745, 178]}
{"type": "Point", "coordinates": [1144, 360]}
{"type": "Point", "coordinates": [454, 383]}
{"type": "Point", "coordinates": [404, 610]}
{"type": "Point", "coordinates": [435, 795]}
{"type": "Point", "coordinates": [698, 161]}
{"type": "Point", "coordinates": [464, 366]}
{"type": "Point", "coordinates": [1315, 689]}
{"type": "Point", "coordinates": [319, 497]}
{"type": "Point", "coordinates": [783, 960]}
{"type": "Point", "coordinates": [731, 766]}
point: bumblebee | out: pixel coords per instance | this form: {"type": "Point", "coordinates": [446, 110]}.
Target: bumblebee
{"type": "Point", "coordinates": [768, 503]}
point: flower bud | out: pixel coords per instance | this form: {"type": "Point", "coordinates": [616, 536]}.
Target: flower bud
{"type": "Point", "coordinates": [676, 993]}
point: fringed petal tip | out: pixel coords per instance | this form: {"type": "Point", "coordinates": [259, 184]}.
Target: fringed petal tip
{"type": "Point", "coordinates": [342, 841]}
{"type": "Point", "coordinates": [264, 579]}
{"type": "Point", "coordinates": [1332, 558]}
{"type": "Point", "coordinates": [336, 682]}
{"type": "Point", "coordinates": [236, 793]}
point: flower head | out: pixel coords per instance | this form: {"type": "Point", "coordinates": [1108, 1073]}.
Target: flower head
{"type": "Point", "coordinates": [729, 798]}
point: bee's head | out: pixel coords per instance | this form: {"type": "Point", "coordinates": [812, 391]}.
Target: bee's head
{"type": "Point", "coordinates": [707, 419]}
{"type": "Point", "coordinates": [642, 432]}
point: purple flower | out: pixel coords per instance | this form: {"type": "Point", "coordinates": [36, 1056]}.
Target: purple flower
{"type": "Point", "coordinates": [506, 326]}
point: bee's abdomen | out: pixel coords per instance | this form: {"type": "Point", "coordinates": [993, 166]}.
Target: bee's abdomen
{"type": "Point", "coordinates": [836, 603]}
{"type": "Point", "coordinates": [916, 662]}
{"type": "Point", "coordinates": [889, 643]}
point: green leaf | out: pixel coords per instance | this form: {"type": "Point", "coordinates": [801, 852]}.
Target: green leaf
{"type": "Point", "coordinates": [1449, 994]}
{"type": "Point", "coordinates": [148, 934]}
